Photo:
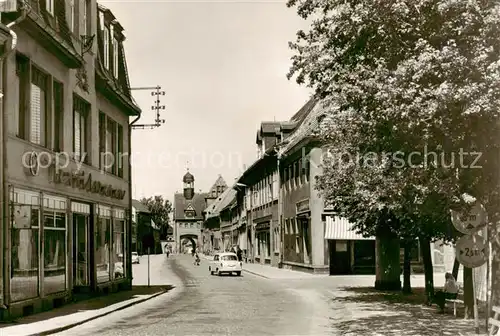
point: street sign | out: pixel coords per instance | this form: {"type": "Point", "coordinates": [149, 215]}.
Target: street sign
{"type": "Point", "coordinates": [471, 251]}
{"type": "Point", "coordinates": [470, 222]}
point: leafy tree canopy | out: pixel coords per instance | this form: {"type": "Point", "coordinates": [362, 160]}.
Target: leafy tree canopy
{"type": "Point", "coordinates": [160, 210]}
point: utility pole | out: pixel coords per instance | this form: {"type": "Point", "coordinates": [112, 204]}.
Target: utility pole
{"type": "Point", "coordinates": [156, 107]}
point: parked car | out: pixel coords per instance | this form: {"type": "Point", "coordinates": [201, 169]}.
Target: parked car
{"type": "Point", "coordinates": [135, 258]}
{"type": "Point", "coordinates": [226, 262]}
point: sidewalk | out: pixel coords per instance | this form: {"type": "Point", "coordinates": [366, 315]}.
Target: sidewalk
{"type": "Point", "coordinates": [73, 314]}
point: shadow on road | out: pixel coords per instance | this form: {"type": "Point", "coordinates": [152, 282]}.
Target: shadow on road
{"type": "Point", "coordinates": [393, 313]}
{"type": "Point", "coordinates": [95, 303]}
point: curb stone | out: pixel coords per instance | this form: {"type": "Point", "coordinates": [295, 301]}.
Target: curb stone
{"type": "Point", "coordinates": [72, 325]}
{"type": "Point", "coordinates": [255, 273]}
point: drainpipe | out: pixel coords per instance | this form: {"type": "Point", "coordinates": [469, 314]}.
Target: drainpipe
{"type": "Point", "coordinates": [129, 226]}
{"type": "Point", "coordinates": [4, 194]}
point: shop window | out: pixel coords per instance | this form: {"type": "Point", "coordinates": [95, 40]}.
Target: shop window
{"type": "Point", "coordinates": [81, 119]}
{"type": "Point", "coordinates": [119, 244]}
{"type": "Point", "coordinates": [102, 245]}
{"type": "Point", "coordinates": [25, 244]}
{"type": "Point", "coordinates": [54, 242]}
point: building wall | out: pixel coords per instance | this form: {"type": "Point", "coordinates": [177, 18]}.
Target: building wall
{"type": "Point", "coordinates": [45, 193]}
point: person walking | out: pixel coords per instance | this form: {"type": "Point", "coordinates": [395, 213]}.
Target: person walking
{"type": "Point", "coordinates": [239, 253]}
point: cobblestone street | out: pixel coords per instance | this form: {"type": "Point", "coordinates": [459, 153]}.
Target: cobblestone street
{"type": "Point", "coordinates": [252, 305]}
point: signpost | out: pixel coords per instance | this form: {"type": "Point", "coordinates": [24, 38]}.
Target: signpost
{"type": "Point", "coordinates": [468, 223]}
{"type": "Point", "coordinates": [471, 249]}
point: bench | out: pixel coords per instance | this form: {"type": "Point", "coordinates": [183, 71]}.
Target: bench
{"type": "Point", "coordinates": [494, 322]}
{"type": "Point", "coordinates": [456, 301]}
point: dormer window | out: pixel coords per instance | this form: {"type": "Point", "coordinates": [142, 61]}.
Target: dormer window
{"type": "Point", "coordinates": [49, 5]}
{"type": "Point", "coordinates": [115, 57]}
{"type": "Point", "coordinates": [72, 21]}
{"type": "Point", "coordinates": [86, 21]}
{"type": "Point", "coordinates": [106, 47]}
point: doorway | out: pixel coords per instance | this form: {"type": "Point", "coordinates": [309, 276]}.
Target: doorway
{"type": "Point", "coordinates": [340, 257]}
{"type": "Point", "coordinates": [81, 250]}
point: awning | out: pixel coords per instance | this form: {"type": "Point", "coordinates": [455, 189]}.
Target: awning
{"type": "Point", "coordinates": [338, 228]}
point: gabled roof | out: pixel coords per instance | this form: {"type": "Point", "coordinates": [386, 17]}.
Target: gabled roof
{"type": "Point", "coordinates": [198, 203]}
{"type": "Point", "coordinates": [220, 203]}
{"type": "Point", "coordinates": [220, 182]}
{"type": "Point", "coordinates": [307, 126]}
{"type": "Point", "coordinates": [139, 207]}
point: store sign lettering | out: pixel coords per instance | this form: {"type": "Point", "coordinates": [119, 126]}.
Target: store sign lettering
{"type": "Point", "coordinates": [82, 182]}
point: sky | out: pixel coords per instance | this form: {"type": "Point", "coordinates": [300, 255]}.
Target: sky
{"type": "Point", "coordinates": [223, 68]}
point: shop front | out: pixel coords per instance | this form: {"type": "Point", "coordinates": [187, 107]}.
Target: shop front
{"type": "Point", "coordinates": [348, 251]}
{"type": "Point", "coordinates": [67, 231]}
{"type": "Point", "coordinates": [263, 242]}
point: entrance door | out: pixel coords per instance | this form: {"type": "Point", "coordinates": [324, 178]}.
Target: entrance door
{"type": "Point", "coordinates": [340, 257]}
{"type": "Point", "coordinates": [80, 250]}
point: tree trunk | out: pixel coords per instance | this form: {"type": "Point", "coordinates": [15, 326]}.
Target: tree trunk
{"type": "Point", "coordinates": [388, 269]}
{"type": "Point", "coordinates": [468, 294]}
{"type": "Point", "coordinates": [407, 267]}
{"type": "Point", "coordinates": [456, 267]}
{"type": "Point", "coordinates": [425, 247]}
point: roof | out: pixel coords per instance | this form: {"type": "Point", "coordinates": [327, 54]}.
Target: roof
{"type": "Point", "coordinates": [220, 182]}
{"type": "Point", "coordinates": [139, 207]}
{"type": "Point", "coordinates": [306, 127]}
{"type": "Point", "coordinates": [220, 203]}
{"type": "Point", "coordinates": [188, 177]}
{"type": "Point", "coordinates": [198, 203]}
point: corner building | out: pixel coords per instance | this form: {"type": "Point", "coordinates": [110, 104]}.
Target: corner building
{"type": "Point", "coordinates": [68, 100]}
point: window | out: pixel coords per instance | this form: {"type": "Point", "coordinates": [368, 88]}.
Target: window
{"type": "Point", "coordinates": [54, 242]}
{"type": "Point", "coordinates": [49, 6]}
{"type": "Point", "coordinates": [102, 245]}
{"type": "Point", "coordinates": [81, 112]}
{"type": "Point", "coordinates": [119, 151]}
{"type": "Point", "coordinates": [229, 258]}
{"type": "Point", "coordinates": [58, 116]}
{"type": "Point", "coordinates": [38, 107]}
{"type": "Point", "coordinates": [72, 23]}
{"type": "Point", "coordinates": [106, 47]}
{"type": "Point", "coordinates": [25, 224]}
{"type": "Point", "coordinates": [110, 145]}
{"type": "Point", "coordinates": [41, 107]}
{"type": "Point", "coordinates": [119, 244]}
{"type": "Point", "coordinates": [115, 57]}
{"type": "Point", "coordinates": [86, 29]}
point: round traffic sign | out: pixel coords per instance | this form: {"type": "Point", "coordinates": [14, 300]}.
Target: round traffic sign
{"type": "Point", "coordinates": [471, 221]}
{"type": "Point", "coordinates": [471, 251]}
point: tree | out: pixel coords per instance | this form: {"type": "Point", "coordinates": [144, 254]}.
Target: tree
{"type": "Point", "coordinates": [399, 77]}
{"type": "Point", "coordinates": [160, 210]}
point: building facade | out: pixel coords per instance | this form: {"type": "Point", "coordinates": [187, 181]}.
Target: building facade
{"type": "Point", "coordinates": [67, 169]}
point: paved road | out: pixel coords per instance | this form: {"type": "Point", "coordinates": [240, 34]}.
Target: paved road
{"type": "Point", "coordinates": [206, 305]}
{"type": "Point", "coordinates": [250, 305]}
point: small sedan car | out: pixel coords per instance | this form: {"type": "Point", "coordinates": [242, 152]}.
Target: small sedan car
{"type": "Point", "coordinates": [135, 258]}
{"type": "Point", "coordinates": [225, 263]}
